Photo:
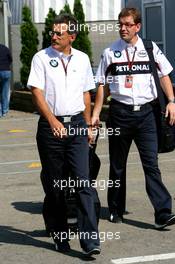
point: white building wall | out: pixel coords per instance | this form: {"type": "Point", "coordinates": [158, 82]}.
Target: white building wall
{"type": "Point", "coordinates": [95, 10]}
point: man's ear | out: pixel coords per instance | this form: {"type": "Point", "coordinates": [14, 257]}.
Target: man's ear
{"type": "Point", "coordinates": [138, 27]}
{"type": "Point", "coordinates": [72, 37]}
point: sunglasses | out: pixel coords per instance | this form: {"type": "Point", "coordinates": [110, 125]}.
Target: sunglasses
{"type": "Point", "coordinates": [52, 33]}
{"type": "Point", "coordinates": [127, 25]}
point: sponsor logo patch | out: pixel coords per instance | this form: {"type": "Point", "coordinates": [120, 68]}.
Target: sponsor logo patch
{"type": "Point", "coordinates": [53, 63]}
{"type": "Point", "coordinates": [142, 53]}
{"type": "Point", "coordinates": [123, 68]}
{"type": "Point", "coordinates": [117, 53]}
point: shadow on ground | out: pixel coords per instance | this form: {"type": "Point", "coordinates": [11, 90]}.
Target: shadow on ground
{"type": "Point", "coordinates": [29, 207]}
{"type": "Point", "coordinates": [11, 235]}
{"type": "Point", "coordinates": [36, 208]}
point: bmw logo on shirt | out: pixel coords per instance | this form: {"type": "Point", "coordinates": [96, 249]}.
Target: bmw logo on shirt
{"type": "Point", "coordinates": [117, 54]}
{"type": "Point", "coordinates": [53, 63]}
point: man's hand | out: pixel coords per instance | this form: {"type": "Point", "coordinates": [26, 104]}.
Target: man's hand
{"type": "Point", "coordinates": [58, 129]}
{"type": "Point", "coordinates": [95, 120]}
{"type": "Point", "coordinates": [170, 112]}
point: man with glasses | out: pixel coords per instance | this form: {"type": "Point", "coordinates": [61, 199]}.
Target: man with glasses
{"type": "Point", "coordinates": [60, 80]}
{"type": "Point", "coordinates": [132, 89]}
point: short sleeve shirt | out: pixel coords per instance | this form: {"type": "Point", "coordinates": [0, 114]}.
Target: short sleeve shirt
{"type": "Point", "coordinates": [63, 84]}
{"type": "Point", "coordinates": [113, 69]}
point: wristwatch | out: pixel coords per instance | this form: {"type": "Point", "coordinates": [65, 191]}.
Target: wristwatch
{"type": "Point", "coordinates": [171, 101]}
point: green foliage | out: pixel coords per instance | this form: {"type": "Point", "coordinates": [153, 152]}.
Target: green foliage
{"type": "Point", "coordinates": [48, 26]}
{"type": "Point", "coordinates": [78, 11]}
{"type": "Point", "coordinates": [29, 42]}
{"type": "Point", "coordinates": [82, 41]}
{"type": "Point", "coordinates": [66, 9]}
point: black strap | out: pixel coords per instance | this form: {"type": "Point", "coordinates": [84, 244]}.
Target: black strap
{"type": "Point", "coordinates": [160, 94]}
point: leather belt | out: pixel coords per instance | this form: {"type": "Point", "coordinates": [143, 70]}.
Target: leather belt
{"type": "Point", "coordinates": [69, 118]}
{"type": "Point", "coordinates": [134, 108]}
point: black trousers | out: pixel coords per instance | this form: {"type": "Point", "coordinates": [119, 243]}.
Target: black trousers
{"type": "Point", "coordinates": [53, 153]}
{"type": "Point", "coordinates": [139, 126]}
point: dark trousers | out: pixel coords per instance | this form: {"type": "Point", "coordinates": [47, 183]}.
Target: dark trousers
{"type": "Point", "coordinates": [139, 126]}
{"type": "Point", "coordinates": [53, 153]}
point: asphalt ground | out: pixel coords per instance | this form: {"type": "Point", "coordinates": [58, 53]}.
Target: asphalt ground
{"type": "Point", "coordinates": [22, 236]}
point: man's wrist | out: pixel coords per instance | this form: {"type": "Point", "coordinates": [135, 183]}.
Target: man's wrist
{"type": "Point", "coordinates": [89, 123]}
{"type": "Point", "coordinates": [171, 100]}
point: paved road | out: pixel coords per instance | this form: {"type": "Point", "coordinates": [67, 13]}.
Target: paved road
{"type": "Point", "coordinates": [22, 235]}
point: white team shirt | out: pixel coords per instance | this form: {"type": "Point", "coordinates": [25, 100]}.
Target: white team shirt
{"type": "Point", "coordinates": [115, 59]}
{"type": "Point", "coordinates": [63, 92]}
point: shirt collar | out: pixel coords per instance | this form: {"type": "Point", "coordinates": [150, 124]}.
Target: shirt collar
{"type": "Point", "coordinates": [128, 45]}
{"type": "Point", "coordinates": [61, 55]}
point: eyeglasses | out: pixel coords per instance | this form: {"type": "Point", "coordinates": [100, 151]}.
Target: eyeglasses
{"type": "Point", "coordinates": [127, 25]}
{"type": "Point", "coordinates": [52, 33]}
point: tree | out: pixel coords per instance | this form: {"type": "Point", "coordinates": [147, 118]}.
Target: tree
{"type": "Point", "coordinates": [29, 42]}
{"type": "Point", "coordinates": [66, 9]}
{"type": "Point", "coordinates": [82, 41]}
{"type": "Point", "coordinates": [48, 26]}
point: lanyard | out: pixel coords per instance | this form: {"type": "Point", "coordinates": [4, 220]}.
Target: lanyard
{"type": "Point", "coordinates": [65, 66]}
{"type": "Point", "coordinates": [130, 63]}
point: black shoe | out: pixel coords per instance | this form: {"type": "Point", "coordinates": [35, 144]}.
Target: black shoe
{"type": "Point", "coordinates": [164, 220]}
{"type": "Point", "coordinates": [115, 218]}
{"type": "Point", "coordinates": [95, 250]}
{"type": "Point", "coordinates": [61, 246]}
{"type": "Point", "coordinates": [48, 231]}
